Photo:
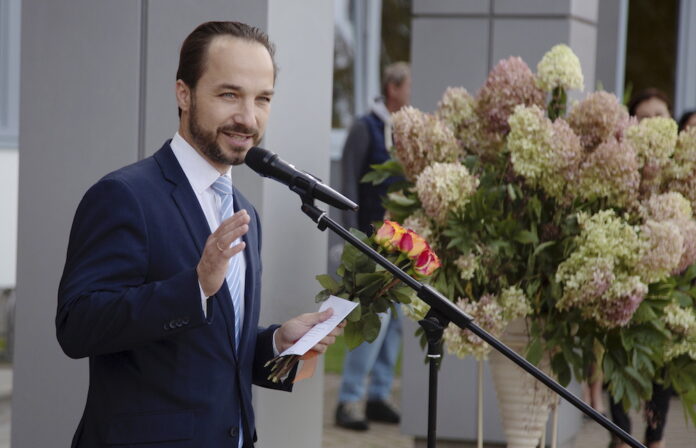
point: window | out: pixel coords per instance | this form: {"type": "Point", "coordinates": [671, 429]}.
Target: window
{"type": "Point", "coordinates": [9, 72]}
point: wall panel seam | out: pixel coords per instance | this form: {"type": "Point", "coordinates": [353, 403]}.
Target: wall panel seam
{"type": "Point", "coordinates": [142, 80]}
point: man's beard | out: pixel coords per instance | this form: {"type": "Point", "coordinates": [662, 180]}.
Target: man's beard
{"type": "Point", "coordinates": [207, 141]}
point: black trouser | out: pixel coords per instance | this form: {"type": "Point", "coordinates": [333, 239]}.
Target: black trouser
{"type": "Point", "coordinates": [655, 414]}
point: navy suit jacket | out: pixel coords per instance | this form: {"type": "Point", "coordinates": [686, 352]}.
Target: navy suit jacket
{"type": "Point", "coordinates": [162, 374]}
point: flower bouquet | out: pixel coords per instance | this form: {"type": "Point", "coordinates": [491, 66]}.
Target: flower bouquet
{"type": "Point", "coordinates": [578, 218]}
{"type": "Point", "coordinates": [361, 279]}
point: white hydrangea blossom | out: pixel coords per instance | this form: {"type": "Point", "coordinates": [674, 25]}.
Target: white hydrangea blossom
{"type": "Point", "coordinates": [560, 67]}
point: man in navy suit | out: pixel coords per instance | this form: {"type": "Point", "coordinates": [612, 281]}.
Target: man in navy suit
{"type": "Point", "coordinates": [160, 288]}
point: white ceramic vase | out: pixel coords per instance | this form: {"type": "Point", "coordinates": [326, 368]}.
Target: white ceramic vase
{"type": "Point", "coordinates": [524, 402]}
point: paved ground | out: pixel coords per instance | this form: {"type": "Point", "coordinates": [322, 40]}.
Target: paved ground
{"type": "Point", "coordinates": [678, 434]}
{"type": "Point", "coordinates": [378, 436]}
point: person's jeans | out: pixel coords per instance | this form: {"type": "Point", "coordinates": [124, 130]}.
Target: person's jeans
{"type": "Point", "coordinates": [377, 359]}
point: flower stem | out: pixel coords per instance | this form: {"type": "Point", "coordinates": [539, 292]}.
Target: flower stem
{"type": "Point", "coordinates": [387, 287]}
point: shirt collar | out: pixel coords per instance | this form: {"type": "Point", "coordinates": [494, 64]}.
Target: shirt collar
{"type": "Point", "coordinates": [380, 109]}
{"type": "Point", "coordinates": [201, 174]}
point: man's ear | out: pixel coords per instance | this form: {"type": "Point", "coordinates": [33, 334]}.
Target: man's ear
{"type": "Point", "coordinates": [183, 95]}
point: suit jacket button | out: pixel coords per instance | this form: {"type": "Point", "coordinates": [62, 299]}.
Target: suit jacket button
{"type": "Point", "coordinates": [186, 321]}
{"type": "Point", "coordinates": [166, 326]}
{"type": "Point", "coordinates": [179, 323]}
{"type": "Point", "coordinates": [233, 431]}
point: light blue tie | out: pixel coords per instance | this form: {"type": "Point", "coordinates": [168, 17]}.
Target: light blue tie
{"type": "Point", "coordinates": [223, 187]}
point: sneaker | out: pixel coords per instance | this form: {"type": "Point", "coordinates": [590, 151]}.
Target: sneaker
{"type": "Point", "coordinates": [381, 411]}
{"type": "Point", "coordinates": [349, 415]}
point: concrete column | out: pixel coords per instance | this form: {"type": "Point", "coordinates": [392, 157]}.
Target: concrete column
{"type": "Point", "coordinates": [97, 93]}
{"type": "Point", "coordinates": [685, 96]}
{"type": "Point", "coordinates": [456, 43]}
{"type": "Point", "coordinates": [294, 250]}
{"type": "Point", "coordinates": [78, 121]}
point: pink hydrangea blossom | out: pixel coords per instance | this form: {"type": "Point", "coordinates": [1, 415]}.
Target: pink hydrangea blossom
{"type": "Point", "coordinates": [509, 84]}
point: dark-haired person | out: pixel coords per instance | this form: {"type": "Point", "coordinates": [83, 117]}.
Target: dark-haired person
{"type": "Point", "coordinates": [649, 103]}
{"type": "Point", "coordinates": [161, 282]}
{"type": "Point", "coordinates": [687, 120]}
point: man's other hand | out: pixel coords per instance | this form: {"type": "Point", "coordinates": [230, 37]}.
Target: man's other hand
{"type": "Point", "coordinates": [292, 330]}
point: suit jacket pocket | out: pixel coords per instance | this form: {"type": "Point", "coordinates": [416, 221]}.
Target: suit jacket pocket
{"type": "Point", "coordinates": [150, 428]}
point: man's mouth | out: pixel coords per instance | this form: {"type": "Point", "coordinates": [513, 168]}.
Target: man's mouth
{"type": "Point", "coordinates": [237, 139]}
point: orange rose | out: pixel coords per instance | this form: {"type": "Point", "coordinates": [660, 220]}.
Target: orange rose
{"type": "Point", "coordinates": [389, 235]}
{"type": "Point", "coordinates": [426, 263]}
{"type": "Point", "coordinates": [412, 244]}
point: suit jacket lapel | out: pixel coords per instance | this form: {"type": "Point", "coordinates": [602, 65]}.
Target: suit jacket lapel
{"type": "Point", "coordinates": [186, 201]}
{"type": "Point", "coordinates": [184, 196]}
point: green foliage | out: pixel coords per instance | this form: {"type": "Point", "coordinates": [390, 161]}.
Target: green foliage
{"type": "Point", "coordinates": [681, 375]}
{"type": "Point", "coordinates": [382, 172]}
{"type": "Point", "coordinates": [557, 105]}
{"type": "Point", "coordinates": [400, 202]}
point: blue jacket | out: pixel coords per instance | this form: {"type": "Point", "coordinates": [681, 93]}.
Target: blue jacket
{"type": "Point", "coordinates": [364, 146]}
{"type": "Point", "coordinates": [161, 372]}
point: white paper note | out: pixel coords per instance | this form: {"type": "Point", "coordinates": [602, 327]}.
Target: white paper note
{"type": "Point", "coordinates": [341, 309]}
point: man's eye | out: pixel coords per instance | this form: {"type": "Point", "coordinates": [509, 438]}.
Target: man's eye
{"type": "Point", "coordinates": [265, 99]}
{"type": "Point", "coordinates": [229, 95]}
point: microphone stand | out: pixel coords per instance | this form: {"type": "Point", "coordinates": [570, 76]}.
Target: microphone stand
{"type": "Point", "coordinates": [442, 312]}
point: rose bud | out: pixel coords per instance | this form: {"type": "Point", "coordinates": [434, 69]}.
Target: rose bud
{"type": "Point", "coordinates": [389, 235]}
{"type": "Point", "coordinates": [412, 244]}
{"type": "Point", "coordinates": [426, 263]}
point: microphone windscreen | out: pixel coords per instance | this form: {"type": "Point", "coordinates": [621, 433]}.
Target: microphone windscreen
{"type": "Point", "coordinates": [258, 158]}
{"type": "Point", "coordinates": [268, 164]}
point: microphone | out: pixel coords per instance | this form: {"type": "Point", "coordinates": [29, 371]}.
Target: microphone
{"type": "Point", "coordinates": [268, 164]}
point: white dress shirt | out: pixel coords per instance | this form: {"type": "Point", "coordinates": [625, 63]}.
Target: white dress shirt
{"type": "Point", "coordinates": [201, 175]}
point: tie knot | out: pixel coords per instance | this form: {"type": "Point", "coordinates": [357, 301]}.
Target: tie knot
{"type": "Point", "coordinates": [222, 186]}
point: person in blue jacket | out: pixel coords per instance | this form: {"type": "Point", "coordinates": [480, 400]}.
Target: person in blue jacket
{"type": "Point", "coordinates": [368, 142]}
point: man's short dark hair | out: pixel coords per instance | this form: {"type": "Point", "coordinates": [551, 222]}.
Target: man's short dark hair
{"type": "Point", "coordinates": [194, 50]}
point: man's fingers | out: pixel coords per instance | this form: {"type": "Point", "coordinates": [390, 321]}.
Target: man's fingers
{"type": "Point", "coordinates": [236, 220]}
{"type": "Point", "coordinates": [234, 250]}
{"type": "Point", "coordinates": [319, 348]}
{"type": "Point", "coordinates": [318, 317]}
{"type": "Point", "coordinates": [212, 267]}
{"type": "Point", "coordinates": [336, 331]}
{"type": "Point", "coordinates": [309, 355]}
{"type": "Point", "coordinates": [224, 241]}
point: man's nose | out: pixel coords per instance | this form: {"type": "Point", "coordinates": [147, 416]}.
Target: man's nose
{"type": "Point", "coordinates": [245, 114]}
